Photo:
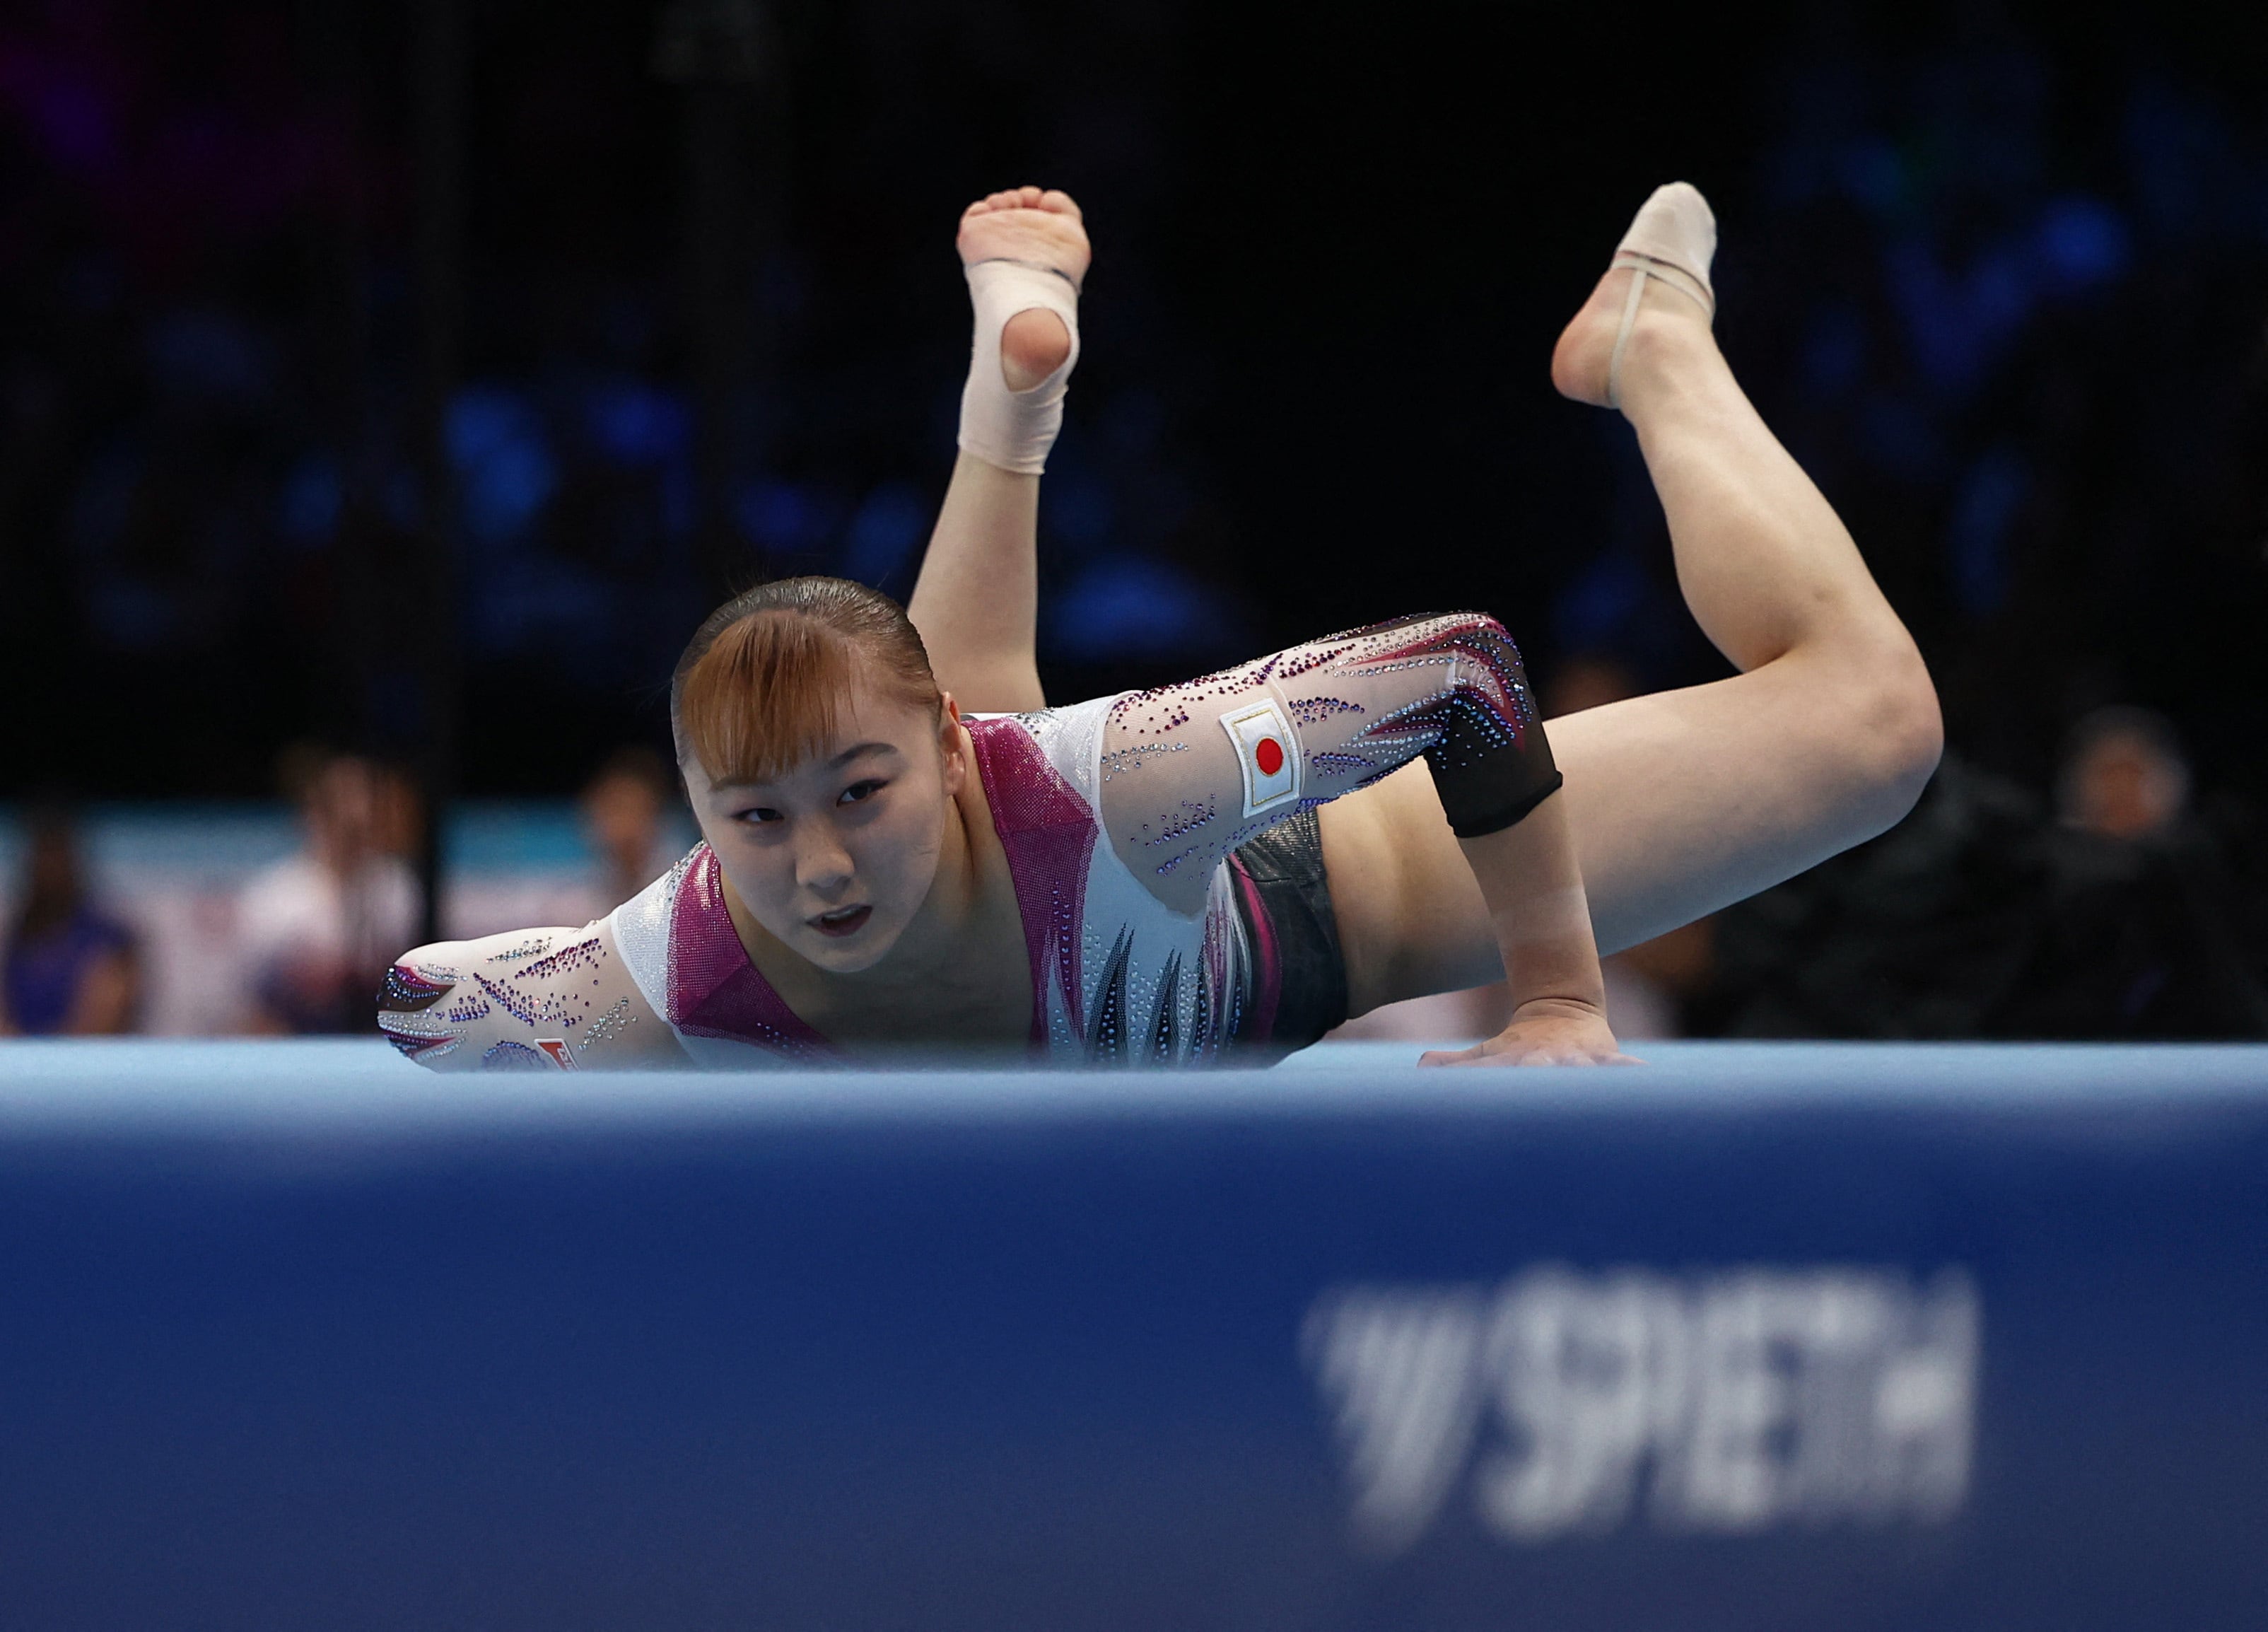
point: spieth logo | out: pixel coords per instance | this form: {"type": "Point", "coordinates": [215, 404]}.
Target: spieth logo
{"type": "Point", "coordinates": [1725, 1403]}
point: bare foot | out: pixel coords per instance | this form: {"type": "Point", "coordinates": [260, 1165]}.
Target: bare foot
{"type": "Point", "coordinates": [1666, 314]}
{"type": "Point", "coordinates": [1043, 229]}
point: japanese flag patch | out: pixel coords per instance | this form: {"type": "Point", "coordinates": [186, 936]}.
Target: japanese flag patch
{"type": "Point", "coordinates": [1268, 753]}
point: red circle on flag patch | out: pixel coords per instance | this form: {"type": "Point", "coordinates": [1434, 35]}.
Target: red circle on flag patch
{"type": "Point", "coordinates": [1268, 756]}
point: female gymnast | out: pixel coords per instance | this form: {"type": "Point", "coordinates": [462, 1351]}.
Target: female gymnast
{"type": "Point", "coordinates": [1219, 871]}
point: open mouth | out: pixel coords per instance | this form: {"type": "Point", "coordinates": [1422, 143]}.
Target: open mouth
{"type": "Point", "coordinates": [844, 920]}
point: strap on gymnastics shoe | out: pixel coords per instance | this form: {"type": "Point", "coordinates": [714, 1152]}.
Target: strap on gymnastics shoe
{"type": "Point", "coordinates": [1014, 429]}
{"type": "Point", "coordinates": [1673, 238]}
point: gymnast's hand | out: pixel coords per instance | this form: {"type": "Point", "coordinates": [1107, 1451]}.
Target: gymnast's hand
{"type": "Point", "coordinates": [1549, 1032]}
{"type": "Point", "coordinates": [1533, 888]}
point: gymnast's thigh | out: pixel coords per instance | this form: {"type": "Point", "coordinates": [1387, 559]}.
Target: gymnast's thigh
{"type": "Point", "coordinates": [1410, 919]}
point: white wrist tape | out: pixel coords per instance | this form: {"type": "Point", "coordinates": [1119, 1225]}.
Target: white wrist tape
{"type": "Point", "coordinates": [1013, 429]}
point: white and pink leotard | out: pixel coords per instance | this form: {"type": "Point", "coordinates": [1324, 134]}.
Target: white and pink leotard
{"type": "Point", "coordinates": [1151, 940]}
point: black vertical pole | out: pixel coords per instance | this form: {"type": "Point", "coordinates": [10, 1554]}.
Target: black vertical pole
{"type": "Point", "coordinates": [717, 50]}
{"type": "Point", "coordinates": [439, 76]}
{"type": "Point", "coordinates": [338, 252]}
{"type": "Point", "coordinates": [713, 295]}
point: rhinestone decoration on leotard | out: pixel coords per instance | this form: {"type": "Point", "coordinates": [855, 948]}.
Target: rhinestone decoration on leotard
{"type": "Point", "coordinates": [408, 1018]}
{"type": "Point", "coordinates": [1049, 834]}
{"type": "Point", "coordinates": [544, 1010]}
{"type": "Point", "coordinates": [519, 1005]}
{"type": "Point", "coordinates": [614, 1023]}
{"type": "Point", "coordinates": [585, 954]}
{"type": "Point", "coordinates": [1121, 761]}
{"type": "Point", "coordinates": [1166, 710]}
{"type": "Point", "coordinates": [1173, 828]}
{"type": "Point", "coordinates": [1308, 709]}
{"type": "Point", "coordinates": [1105, 1030]}
{"type": "Point", "coordinates": [1363, 703]}
{"type": "Point", "coordinates": [429, 1024]}
{"type": "Point", "coordinates": [406, 990]}
{"type": "Point", "coordinates": [1165, 1015]}
{"type": "Point", "coordinates": [423, 1050]}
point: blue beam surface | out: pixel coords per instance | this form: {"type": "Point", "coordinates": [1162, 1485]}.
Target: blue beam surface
{"type": "Point", "coordinates": [1755, 1337]}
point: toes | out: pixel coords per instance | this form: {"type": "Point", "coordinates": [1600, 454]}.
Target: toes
{"type": "Point", "coordinates": [1053, 200]}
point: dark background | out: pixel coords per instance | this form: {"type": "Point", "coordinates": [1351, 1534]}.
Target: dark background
{"type": "Point", "coordinates": [1995, 273]}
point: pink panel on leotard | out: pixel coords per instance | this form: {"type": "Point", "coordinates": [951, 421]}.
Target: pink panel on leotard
{"type": "Point", "coordinates": [1049, 833]}
{"type": "Point", "coordinates": [1267, 977]}
{"type": "Point", "coordinates": [714, 989]}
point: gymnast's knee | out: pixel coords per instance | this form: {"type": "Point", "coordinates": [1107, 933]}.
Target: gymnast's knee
{"type": "Point", "coordinates": [1897, 734]}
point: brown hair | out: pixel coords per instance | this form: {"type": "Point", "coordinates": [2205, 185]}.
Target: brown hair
{"type": "Point", "coordinates": [759, 687]}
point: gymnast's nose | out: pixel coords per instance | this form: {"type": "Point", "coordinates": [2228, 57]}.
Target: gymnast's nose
{"type": "Point", "coordinates": [822, 866]}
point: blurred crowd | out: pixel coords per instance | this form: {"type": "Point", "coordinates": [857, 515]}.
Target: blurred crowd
{"type": "Point", "coordinates": [310, 935]}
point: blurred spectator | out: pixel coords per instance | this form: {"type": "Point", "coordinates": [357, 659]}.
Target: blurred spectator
{"type": "Point", "coordinates": [1925, 932]}
{"type": "Point", "coordinates": [72, 969]}
{"type": "Point", "coordinates": [398, 824]}
{"type": "Point", "coordinates": [623, 807]}
{"type": "Point", "coordinates": [320, 926]}
{"type": "Point", "coordinates": [1650, 985]}
{"type": "Point", "coordinates": [2141, 937]}
{"type": "Point", "coordinates": [1978, 917]}
{"type": "Point", "coordinates": [2123, 776]}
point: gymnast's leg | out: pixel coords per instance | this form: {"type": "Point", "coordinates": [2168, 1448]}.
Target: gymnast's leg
{"type": "Point", "coordinates": [977, 597]}
{"type": "Point", "coordinates": [1682, 802]}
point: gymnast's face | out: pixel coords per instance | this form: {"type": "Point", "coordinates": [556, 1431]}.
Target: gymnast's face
{"type": "Point", "coordinates": [836, 856]}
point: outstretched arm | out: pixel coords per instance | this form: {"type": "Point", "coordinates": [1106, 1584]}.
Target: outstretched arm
{"type": "Point", "coordinates": [1190, 772]}
{"type": "Point", "coordinates": [533, 1000]}
{"type": "Point", "coordinates": [977, 601]}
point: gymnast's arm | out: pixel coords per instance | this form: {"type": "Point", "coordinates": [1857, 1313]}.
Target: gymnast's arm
{"type": "Point", "coordinates": [1533, 888]}
{"type": "Point", "coordinates": [1192, 771]}
{"type": "Point", "coordinates": [975, 604]}
{"type": "Point", "coordinates": [533, 1000]}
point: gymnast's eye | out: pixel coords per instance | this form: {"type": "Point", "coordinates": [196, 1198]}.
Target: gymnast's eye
{"type": "Point", "coordinates": [760, 815]}
{"type": "Point", "coordinates": [858, 793]}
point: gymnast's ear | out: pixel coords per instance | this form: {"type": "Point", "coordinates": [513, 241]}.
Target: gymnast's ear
{"type": "Point", "coordinates": [949, 740]}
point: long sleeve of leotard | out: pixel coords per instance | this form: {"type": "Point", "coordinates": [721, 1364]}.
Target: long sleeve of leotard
{"type": "Point", "coordinates": [527, 999]}
{"type": "Point", "coordinates": [1192, 772]}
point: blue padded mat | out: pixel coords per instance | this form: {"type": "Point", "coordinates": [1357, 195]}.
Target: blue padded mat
{"type": "Point", "coordinates": [1753, 1337]}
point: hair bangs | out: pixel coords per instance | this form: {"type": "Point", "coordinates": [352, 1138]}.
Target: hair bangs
{"type": "Point", "coordinates": [761, 686]}
{"type": "Point", "coordinates": [766, 695]}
